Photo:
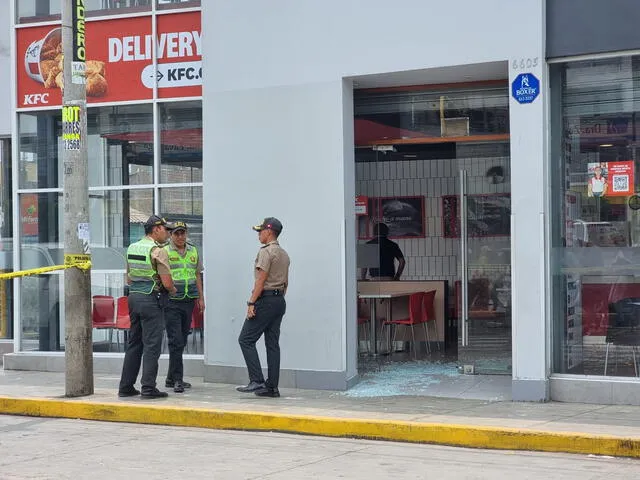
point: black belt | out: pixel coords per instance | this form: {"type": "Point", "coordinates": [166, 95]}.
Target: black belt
{"type": "Point", "coordinates": [269, 293]}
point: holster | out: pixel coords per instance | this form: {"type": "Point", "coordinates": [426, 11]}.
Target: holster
{"type": "Point", "coordinates": [163, 298]}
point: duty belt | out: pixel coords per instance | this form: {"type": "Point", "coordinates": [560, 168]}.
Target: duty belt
{"type": "Point", "coordinates": [274, 293]}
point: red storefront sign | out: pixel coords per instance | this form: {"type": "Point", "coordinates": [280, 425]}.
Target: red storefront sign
{"type": "Point", "coordinates": [119, 60]}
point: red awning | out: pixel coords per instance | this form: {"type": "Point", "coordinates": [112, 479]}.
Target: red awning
{"type": "Point", "coordinates": [188, 138]}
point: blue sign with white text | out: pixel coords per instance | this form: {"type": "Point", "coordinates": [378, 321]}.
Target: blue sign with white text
{"type": "Point", "coordinates": [525, 88]}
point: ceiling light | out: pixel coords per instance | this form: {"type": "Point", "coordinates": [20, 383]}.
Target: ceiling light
{"type": "Point", "coordinates": [607, 145]}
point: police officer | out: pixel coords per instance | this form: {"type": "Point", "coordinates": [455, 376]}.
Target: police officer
{"type": "Point", "coordinates": [186, 272]}
{"type": "Point", "coordinates": [265, 309]}
{"type": "Point", "coordinates": [150, 283]}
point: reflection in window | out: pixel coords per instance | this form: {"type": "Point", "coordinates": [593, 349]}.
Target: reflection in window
{"type": "Point", "coordinates": [41, 312]}
{"type": "Point", "coordinates": [181, 142]}
{"type": "Point", "coordinates": [6, 241]}
{"type": "Point", "coordinates": [38, 149]}
{"type": "Point", "coordinates": [120, 142]}
{"type": "Point", "coordinates": [116, 222]}
{"type": "Point", "coordinates": [431, 113]}
{"type": "Point", "coordinates": [41, 10]}
{"type": "Point", "coordinates": [184, 203]}
{"type": "Point", "coordinates": [596, 229]}
{"type": "Point", "coordinates": [168, 4]}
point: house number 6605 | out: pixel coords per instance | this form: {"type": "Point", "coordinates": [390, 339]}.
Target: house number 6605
{"type": "Point", "coordinates": [524, 63]}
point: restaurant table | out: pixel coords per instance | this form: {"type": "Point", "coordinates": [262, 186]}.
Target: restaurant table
{"type": "Point", "coordinates": [380, 296]}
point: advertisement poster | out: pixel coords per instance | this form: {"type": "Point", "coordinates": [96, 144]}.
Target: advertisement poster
{"type": "Point", "coordinates": [610, 179]}
{"type": "Point", "coordinates": [29, 214]}
{"type": "Point", "coordinates": [362, 202]}
{"type": "Point", "coordinates": [404, 216]}
{"type": "Point", "coordinates": [488, 215]}
{"type": "Point", "coordinates": [119, 60]}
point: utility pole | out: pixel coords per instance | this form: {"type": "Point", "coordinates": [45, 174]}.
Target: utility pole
{"type": "Point", "coordinates": [78, 351]}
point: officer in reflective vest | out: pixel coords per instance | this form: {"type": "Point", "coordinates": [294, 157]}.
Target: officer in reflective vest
{"type": "Point", "coordinates": [186, 272]}
{"type": "Point", "coordinates": [150, 283]}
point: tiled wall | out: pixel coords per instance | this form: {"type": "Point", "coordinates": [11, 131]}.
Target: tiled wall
{"type": "Point", "coordinates": [433, 257]}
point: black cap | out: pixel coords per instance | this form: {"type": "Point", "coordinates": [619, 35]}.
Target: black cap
{"type": "Point", "coordinates": [175, 226]}
{"type": "Point", "coordinates": [155, 220]}
{"type": "Point", "coordinates": [270, 223]}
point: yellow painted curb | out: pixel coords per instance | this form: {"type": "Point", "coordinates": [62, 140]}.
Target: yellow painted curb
{"type": "Point", "coordinates": [416, 432]}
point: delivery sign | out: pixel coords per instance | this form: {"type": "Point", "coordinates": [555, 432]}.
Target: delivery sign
{"type": "Point", "coordinates": [119, 60]}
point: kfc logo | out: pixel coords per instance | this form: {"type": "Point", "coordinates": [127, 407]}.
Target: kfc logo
{"type": "Point", "coordinates": [36, 98]}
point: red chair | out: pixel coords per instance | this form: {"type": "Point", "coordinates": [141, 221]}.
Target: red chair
{"type": "Point", "coordinates": [123, 321]}
{"type": "Point", "coordinates": [430, 315]}
{"type": "Point", "coordinates": [416, 316]}
{"type": "Point", "coordinates": [197, 325]}
{"type": "Point", "coordinates": [363, 320]}
{"type": "Point", "coordinates": [103, 314]}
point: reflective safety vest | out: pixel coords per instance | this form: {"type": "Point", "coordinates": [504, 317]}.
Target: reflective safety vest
{"type": "Point", "coordinates": [184, 271]}
{"type": "Point", "coordinates": [141, 272]}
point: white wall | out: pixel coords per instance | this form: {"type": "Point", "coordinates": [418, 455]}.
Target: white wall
{"type": "Point", "coordinates": [275, 132]}
{"type": "Point", "coordinates": [5, 66]}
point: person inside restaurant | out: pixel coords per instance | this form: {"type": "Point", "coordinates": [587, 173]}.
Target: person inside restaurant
{"type": "Point", "coordinates": [388, 252]}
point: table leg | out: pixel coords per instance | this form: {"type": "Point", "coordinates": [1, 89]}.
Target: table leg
{"type": "Point", "coordinates": [374, 341]}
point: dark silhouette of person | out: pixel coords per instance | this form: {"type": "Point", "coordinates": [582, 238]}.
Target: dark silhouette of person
{"type": "Point", "coordinates": [388, 253]}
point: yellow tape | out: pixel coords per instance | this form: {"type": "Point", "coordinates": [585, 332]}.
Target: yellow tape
{"type": "Point", "coordinates": [75, 258]}
{"type": "Point", "coordinates": [41, 270]}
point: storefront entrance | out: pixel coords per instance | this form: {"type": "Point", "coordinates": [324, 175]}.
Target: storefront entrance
{"type": "Point", "coordinates": [434, 218]}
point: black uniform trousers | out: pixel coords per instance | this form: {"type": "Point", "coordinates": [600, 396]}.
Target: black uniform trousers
{"type": "Point", "coordinates": [145, 342]}
{"type": "Point", "coordinates": [178, 323]}
{"type": "Point", "coordinates": [269, 313]}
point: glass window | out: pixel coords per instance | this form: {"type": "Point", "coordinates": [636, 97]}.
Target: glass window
{"type": "Point", "coordinates": [30, 11]}
{"type": "Point", "coordinates": [6, 241]}
{"type": "Point", "coordinates": [116, 222]}
{"type": "Point", "coordinates": [119, 140]}
{"type": "Point", "coordinates": [41, 312]}
{"type": "Point", "coordinates": [181, 142]}
{"type": "Point", "coordinates": [428, 114]}
{"type": "Point", "coordinates": [184, 203]}
{"type": "Point", "coordinates": [120, 143]}
{"type": "Point", "coordinates": [596, 216]}
{"type": "Point", "coordinates": [39, 149]}
{"type": "Point", "coordinates": [168, 4]}
{"type": "Point", "coordinates": [41, 246]}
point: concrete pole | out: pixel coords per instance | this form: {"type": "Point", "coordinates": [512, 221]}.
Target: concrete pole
{"type": "Point", "coordinates": [77, 283]}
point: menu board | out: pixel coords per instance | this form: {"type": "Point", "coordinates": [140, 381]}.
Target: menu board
{"type": "Point", "coordinates": [488, 215]}
{"type": "Point", "coordinates": [404, 216]}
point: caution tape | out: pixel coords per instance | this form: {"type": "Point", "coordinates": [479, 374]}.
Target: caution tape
{"type": "Point", "coordinates": [84, 265]}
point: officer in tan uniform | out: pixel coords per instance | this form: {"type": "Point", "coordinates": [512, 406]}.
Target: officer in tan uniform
{"type": "Point", "coordinates": [265, 309]}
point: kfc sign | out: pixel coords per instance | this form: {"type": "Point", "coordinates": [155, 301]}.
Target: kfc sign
{"type": "Point", "coordinates": [119, 66]}
{"type": "Point", "coordinates": [36, 99]}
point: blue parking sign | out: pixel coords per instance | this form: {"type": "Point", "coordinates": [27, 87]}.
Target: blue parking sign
{"type": "Point", "coordinates": [525, 88]}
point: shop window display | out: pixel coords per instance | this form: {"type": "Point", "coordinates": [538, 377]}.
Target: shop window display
{"type": "Point", "coordinates": [596, 217]}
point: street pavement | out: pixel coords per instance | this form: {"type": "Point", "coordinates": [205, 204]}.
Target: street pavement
{"type": "Point", "coordinates": [45, 448]}
{"type": "Point", "coordinates": [554, 427]}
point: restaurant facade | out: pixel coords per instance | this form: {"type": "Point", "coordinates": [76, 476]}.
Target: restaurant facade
{"type": "Point", "coordinates": [496, 146]}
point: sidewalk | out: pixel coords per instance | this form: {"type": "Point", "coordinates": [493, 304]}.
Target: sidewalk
{"type": "Point", "coordinates": [551, 427]}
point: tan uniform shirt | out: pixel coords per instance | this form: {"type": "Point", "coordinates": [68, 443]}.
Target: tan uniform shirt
{"type": "Point", "coordinates": [160, 261]}
{"type": "Point", "coordinates": [274, 260]}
